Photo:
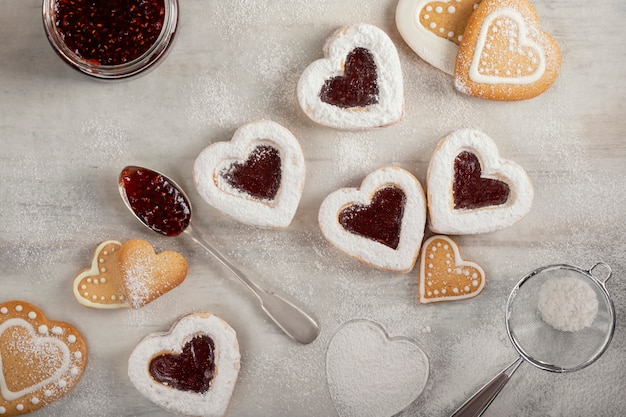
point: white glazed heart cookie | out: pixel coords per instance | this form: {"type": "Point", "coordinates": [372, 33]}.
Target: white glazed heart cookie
{"type": "Point", "coordinates": [257, 178]}
{"type": "Point", "coordinates": [128, 275]}
{"type": "Point", "coordinates": [471, 189]}
{"type": "Point", "coordinates": [381, 223]}
{"type": "Point", "coordinates": [190, 370]}
{"type": "Point", "coordinates": [504, 54]}
{"type": "Point", "coordinates": [40, 360]}
{"type": "Point", "coordinates": [358, 85]}
{"type": "Point", "coordinates": [444, 275]}
{"type": "Point", "coordinates": [434, 29]}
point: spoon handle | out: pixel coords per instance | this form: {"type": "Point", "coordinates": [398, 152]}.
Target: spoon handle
{"type": "Point", "coordinates": [290, 318]}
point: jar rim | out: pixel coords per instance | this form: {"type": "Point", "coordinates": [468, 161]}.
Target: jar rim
{"type": "Point", "coordinates": [140, 65]}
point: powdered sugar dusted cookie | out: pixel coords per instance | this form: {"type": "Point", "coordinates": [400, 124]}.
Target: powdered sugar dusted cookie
{"type": "Point", "coordinates": [358, 85]}
{"type": "Point", "coordinates": [381, 223]}
{"type": "Point", "coordinates": [471, 189]}
{"type": "Point", "coordinates": [504, 54]}
{"type": "Point", "coordinates": [190, 370]}
{"type": "Point", "coordinates": [101, 285]}
{"type": "Point", "coordinates": [444, 275]}
{"type": "Point", "coordinates": [257, 178]}
{"type": "Point", "coordinates": [40, 360]}
{"type": "Point", "coordinates": [434, 29]}
{"type": "Point", "coordinates": [147, 275]}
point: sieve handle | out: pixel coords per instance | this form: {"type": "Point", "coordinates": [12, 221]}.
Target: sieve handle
{"type": "Point", "coordinates": [478, 403]}
{"type": "Point", "coordinates": [601, 271]}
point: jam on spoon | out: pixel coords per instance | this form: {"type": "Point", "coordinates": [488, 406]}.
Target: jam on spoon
{"type": "Point", "coordinates": [162, 206]}
{"type": "Point", "coordinates": [157, 202]}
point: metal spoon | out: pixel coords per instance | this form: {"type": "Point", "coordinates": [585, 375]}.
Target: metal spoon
{"type": "Point", "coordinates": [162, 206]}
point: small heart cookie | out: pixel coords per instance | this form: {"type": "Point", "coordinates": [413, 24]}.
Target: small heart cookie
{"type": "Point", "coordinates": [434, 29]}
{"type": "Point", "coordinates": [381, 223]}
{"type": "Point", "coordinates": [190, 370]}
{"type": "Point", "coordinates": [101, 286]}
{"type": "Point", "coordinates": [471, 189]}
{"type": "Point", "coordinates": [504, 54]}
{"type": "Point", "coordinates": [40, 360]}
{"type": "Point", "coordinates": [147, 275]}
{"type": "Point", "coordinates": [371, 374]}
{"type": "Point", "coordinates": [358, 85]}
{"type": "Point", "coordinates": [444, 275]}
{"type": "Point", "coordinates": [257, 178]}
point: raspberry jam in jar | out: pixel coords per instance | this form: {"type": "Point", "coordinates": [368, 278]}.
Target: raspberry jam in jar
{"type": "Point", "coordinates": [111, 39]}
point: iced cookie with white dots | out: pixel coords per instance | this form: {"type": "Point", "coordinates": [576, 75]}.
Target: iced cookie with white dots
{"type": "Point", "coordinates": [434, 29]}
{"type": "Point", "coordinates": [444, 275]}
{"type": "Point", "coordinates": [358, 84]}
{"type": "Point", "coordinates": [504, 54]}
{"type": "Point", "coordinates": [40, 360]}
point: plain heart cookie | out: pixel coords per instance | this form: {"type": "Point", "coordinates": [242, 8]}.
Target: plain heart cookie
{"type": "Point", "coordinates": [471, 189]}
{"type": "Point", "coordinates": [147, 275]}
{"type": "Point", "coordinates": [381, 223]}
{"type": "Point", "coordinates": [434, 29]}
{"type": "Point", "coordinates": [371, 374]}
{"type": "Point", "coordinates": [190, 370]}
{"type": "Point", "coordinates": [358, 85]}
{"type": "Point", "coordinates": [40, 360]}
{"type": "Point", "coordinates": [504, 54]}
{"type": "Point", "coordinates": [257, 177]}
{"type": "Point", "coordinates": [444, 275]}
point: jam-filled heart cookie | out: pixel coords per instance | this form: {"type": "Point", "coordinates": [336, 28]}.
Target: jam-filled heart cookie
{"type": "Point", "coordinates": [190, 370]}
{"type": "Point", "coordinates": [358, 85]}
{"type": "Point", "coordinates": [381, 223]}
{"type": "Point", "coordinates": [434, 29]}
{"type": "Point", "coordinates": [471, 189]}
{"type": "Point", "coordinates": [257, 177]}
{"type": "Point", "coordinates": [504, 54]}
{"type": "Point", "coordinates": [40, 359]}
{"type": "Point", "coordinates": [128, 275]}
{"type": "Point", "coordinates": [444, 275]}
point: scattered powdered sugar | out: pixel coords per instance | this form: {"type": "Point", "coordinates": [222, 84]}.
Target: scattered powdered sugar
{"type": "Point", "coordinates": [567, 304]}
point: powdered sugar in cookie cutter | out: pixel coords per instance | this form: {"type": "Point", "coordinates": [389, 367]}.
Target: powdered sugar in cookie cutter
{"type": "Point", "coordinates": [539, 343]}
{"type": "Point", "coordinates": [372, 374]}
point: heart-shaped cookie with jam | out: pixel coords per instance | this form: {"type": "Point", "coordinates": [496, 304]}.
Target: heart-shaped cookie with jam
{"type": "Point", "coordinates": [471, 189]}
{"type": "Point", "coordinates": [128, 275]}
{"type": "Point", "coordinates": [381, 223]}
{"type": "Point", "coordinates": [147, 275]}
{"type": "Point", "coordinates": [40, 360]}
{"type": "Point", "coordinates": [257, 177]}
{"type": "Point", "coordinates": [504, 54]}
{"type": "Point", "coordinates": [434, 29]}
{"type": "Point", "coordinates": [190, 370]}
{"type": "Point", "coordinates": [358, 85]}
{"type": "Point", "coordinates": [444, 275]}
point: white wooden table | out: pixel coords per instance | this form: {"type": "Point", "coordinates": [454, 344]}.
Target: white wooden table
{"type": "Point", "coordinates": [64, 138]}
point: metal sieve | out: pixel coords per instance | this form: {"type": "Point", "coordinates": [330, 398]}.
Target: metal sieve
{"type": "Point", "coordinates": [541, 344]}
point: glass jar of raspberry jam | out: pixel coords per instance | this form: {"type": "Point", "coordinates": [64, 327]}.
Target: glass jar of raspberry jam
{"type": "Point", "coordinates": [111, 39]}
